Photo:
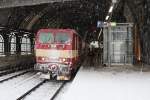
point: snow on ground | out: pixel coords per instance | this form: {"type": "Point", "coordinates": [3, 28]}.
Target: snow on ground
{"type": "Point", "coordinates": [113, 83]}
{"type": "Point", "coordinates": [44, 92]}
{"type": "Point", "coordinates": [15, 87]}
{"type": "Point", "coordinates": [63, 91]}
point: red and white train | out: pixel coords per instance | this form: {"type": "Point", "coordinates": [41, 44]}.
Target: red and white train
{"type": "Point", "coordinates": [58, 52]}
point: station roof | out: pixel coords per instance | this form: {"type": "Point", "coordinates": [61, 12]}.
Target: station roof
{"type": "Point", "coordinates": [15, 3]}
{"type": "Point", "coordinates": [81, 15]}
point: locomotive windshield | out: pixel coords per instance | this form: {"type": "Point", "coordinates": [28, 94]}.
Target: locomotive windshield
{"type": "Point", "coordinates": [46, 38]}
{"type": "Point", "coordinates": [62, 38]}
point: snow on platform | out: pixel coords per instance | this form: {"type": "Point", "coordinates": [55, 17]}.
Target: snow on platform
{"type": "Point", "coordinates": [109, 83]}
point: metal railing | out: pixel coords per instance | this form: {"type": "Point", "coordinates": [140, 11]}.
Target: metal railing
{"type": "Point", "coordinates": [120, 59]}
{"type": "Point", "coordinates": [142, 62]}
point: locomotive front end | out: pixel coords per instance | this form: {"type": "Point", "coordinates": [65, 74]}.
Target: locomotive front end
{"type": "Point", "coordinates": [58, 67]}
{"type": "Point", "coordinates": [54, 54]}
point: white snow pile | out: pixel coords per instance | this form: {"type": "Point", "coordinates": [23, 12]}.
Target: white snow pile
{"type": "Point", "coordinates": [109, 84]}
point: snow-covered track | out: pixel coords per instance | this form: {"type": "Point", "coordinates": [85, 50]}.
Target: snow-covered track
{"type": "Point", "coordinates": [9, 71]}
{"type": "Point", "coordinates": [5, 72]}
{"type": "Point", "coordinates": [32, 89]}
{"type": "Point", "coordinates": [48, 90]}
{"type": "Point", "coordinates": [58, 90]}
{"type": "Point", "coordinates": [13, 76]}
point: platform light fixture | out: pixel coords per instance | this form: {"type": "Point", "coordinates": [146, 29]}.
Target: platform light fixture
{"type": "Point", "coordinates": [111, 9]}
{"type": "Point", "coordinates": [107, 17]}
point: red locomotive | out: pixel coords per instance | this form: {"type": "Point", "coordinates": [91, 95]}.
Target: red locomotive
{"type": "Point", "coordinates": [58, 51]}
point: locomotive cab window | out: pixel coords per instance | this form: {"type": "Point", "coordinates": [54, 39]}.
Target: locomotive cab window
{"type": "Point", "coordinates": [46, 38]}
{"type": "Point", "coordinates": [62, 38]}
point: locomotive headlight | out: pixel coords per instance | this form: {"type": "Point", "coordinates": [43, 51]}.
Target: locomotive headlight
{"type": "Point", "coordinates": [43, 58]}
{"type": "Point", "coordinates": [63, 59]}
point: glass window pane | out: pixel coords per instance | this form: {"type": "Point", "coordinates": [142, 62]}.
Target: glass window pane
{"type": "Point", "coordinates": [1, 46]}
{"type": "Point", "coordinates": [46, 38]}
{"type": "Point", "coordinates": [25, 46]}
{"type": "Point", "coordinates": [62, 38]}
{"type": "Point", "coordinates": [13, 45]}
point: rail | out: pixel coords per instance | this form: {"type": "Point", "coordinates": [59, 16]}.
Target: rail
{"type": "Point", "coordinates": [28, 92]}
{"type": "Point", "coordinates": [11, 77]}
{"type": "Point", "coordinates": [58, 90]}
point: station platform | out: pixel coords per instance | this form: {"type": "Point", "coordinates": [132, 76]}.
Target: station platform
{"type": "Point", "coordinates": [110, 83]}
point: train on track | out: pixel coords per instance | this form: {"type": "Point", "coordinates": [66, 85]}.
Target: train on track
{"type": "Point", "coordinates": [58, 53]}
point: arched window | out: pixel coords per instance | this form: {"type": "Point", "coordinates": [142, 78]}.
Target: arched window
{"type": "Point", "coordinates": [13, 44]}
{"type": "Point", "coordinates": [1, 46]}
{"type": "Point", "coordinates": [25, 46]}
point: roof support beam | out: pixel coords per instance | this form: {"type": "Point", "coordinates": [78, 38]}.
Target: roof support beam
{"type": "Point", "coordinates": [16, 3]}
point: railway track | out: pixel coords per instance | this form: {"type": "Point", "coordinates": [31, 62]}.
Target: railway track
{"type": "Point", "coordinates": [9, 71]}
{"type": "Point", "coordinates": [32, 89]}
{"type": "Point", "coordinates": [13, 75]}
{"type": "Point", "coordinates": [17, 86]}
{"type": "Point", "coordinates": [57, 91]}
{"type": "Point", "coordinates": [48, 90]}
{"type": "Point", "coordinates": [21, 85]}
{"type": "Point", "coordinates": [5, 72]}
